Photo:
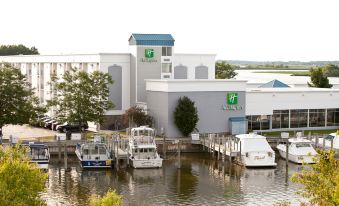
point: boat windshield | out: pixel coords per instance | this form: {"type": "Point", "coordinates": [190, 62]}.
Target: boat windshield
{"type": "Point", "coordinates": [303, 144]}
{"type": "Point", "coordinates": [145, 132]}
{"type": "Point", "coordinates": [38, 153]}
{"type": "Point", "coordinates": [145, 153]}
{"type": "Point", "coordinates": [94, 149]}
{"type": "Point", "coordinates": [329, 137]}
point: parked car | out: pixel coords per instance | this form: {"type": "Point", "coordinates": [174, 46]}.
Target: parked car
{"type": "Point", "coordinates": [54, 125]}
{"type": "Point", "coordinates": [73, 127]}
{"type": "Point", "coordinates": [44, 121]}
{"type": "Point", "coordinates": [48, 125]}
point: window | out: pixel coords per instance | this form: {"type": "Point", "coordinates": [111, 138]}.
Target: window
{"type": "Point", "coordinates": [102, 150]}
{"type": "Point", "coordinates": [166, 51]}
{"type": "Point", "coordinates": [166, 67]}
{"type": "Point", "coordinates": [317, 117]}
{"type": "Point", "coordinates": [258, 122]}
{"type": "Point", "coordinates": [332, 117]}
{"type": "Point", "coordinates": [280, 119]}
{"type": "Point", "coordinates": [299, 118]}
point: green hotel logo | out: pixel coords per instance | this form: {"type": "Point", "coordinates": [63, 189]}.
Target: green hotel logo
{"type": "Point", "coordinates": [232, 98]}
{"type": "Point", "coordinates": [149, 53]}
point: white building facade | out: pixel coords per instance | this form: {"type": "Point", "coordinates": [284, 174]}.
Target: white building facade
{"type": "Point", "coordinates": [153, 76]}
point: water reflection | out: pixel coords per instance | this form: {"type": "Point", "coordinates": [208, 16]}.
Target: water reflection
{"type": "Point", "coordinates": [200, 181]}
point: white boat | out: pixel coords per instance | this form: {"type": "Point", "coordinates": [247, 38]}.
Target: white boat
{"type": "Point", "coordinates": [94, 155]}
{"type": "Point", "coordinates": [255, 151]}
{"type": "Point", "coordinates": [300, 150]}
{"type": "Point", "coordinates": [39, 153]}
{"type": "Point", "coordinates": [142, 150]}
{"type": "Point", "coordinates": [331, 137]}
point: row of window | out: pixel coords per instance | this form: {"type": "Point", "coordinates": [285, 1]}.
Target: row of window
{"type": "Point", "coordinates": [297, 118]}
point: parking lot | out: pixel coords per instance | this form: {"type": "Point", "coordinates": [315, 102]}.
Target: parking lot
{"type": "Point", "coordinates": [26, 132]}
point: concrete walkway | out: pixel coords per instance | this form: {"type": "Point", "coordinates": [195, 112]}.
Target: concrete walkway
{"type": "Point", "coordinates": [26, 132]}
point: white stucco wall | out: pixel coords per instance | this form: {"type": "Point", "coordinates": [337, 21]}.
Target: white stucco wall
{"type": "Point", "coordinates": [262, 101]}
{"type": "Point", "coordinates": [193, 60]}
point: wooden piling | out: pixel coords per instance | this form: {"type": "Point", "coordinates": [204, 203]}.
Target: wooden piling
{"type": "Point", "coordinates": [59, 150]}
{"type": "Point", "coordinates": [331, 144]}
{"type": "Point", "coordinates": [324, 140]}
{"type": "Point", "coordinates": [286, 162]}
{"type": "Point", "coordinates": [213, 145]}
{"type": "Point", "coordinates": [219, 149]}
{"type": "Point", "coordinates": [65, 154]}
{"type": "Point", "coordinates": [164, 146]}
{"type": "Point", "coordinates": [179, 154]}
{"type": "Point", "coordinates": [316, 142]}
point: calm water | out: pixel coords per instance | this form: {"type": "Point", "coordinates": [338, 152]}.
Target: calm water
{"type": "Point", "coordinates": [200, 181]}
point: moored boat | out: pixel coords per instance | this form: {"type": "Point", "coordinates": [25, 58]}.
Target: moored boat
{"type": "Point", "coordinates": [94, 155]}
{"type": "Point", "coordinates": [39, 153]}
{"type": "Point", "coordinates": [142, 149]}
{"type": "Point", "coordinates": [255, 151]}
{"type": "Point", "coordinates": [300, 150]}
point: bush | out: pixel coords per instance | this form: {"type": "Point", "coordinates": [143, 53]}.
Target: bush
{"type": "Point", "coordinates": [109, 199]}
{"type": "Point", "coordinates": [20, 181]}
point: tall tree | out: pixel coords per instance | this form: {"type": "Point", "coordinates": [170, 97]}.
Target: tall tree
{"type": "Point", "coordinates": [224, 70]}
{"type": "Point", "coordinates": [320, 180]}
{"type": "Point", "coordinates": [6, 50]}
{"type": "Point", "coordinates": [20, 181]}
{"type": "Point", "coordinates": [186, 116]}
{"type": "Point", "coordinates": [18, 103]}
{"type": "Point", "coordinates": [318, 79]}
{"type": "Point", "coordinates": [80, 97]}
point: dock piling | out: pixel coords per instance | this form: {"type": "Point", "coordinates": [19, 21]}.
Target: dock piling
{"type": "Point", "coordinates": [59, 150]}
{"type": "Point", "coordinates": [286, 167]}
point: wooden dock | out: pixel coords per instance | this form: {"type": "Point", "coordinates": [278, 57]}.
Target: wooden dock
{"type": "Point", "coordinates": [223, 147]}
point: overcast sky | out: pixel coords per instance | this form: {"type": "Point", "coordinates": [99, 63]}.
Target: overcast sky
{"type": "Point", "coordinates": [263, 30]}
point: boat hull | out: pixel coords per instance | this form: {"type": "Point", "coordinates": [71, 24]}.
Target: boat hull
{"type": "Point", "coordinates": [258, 163]}
{"type": "Point", "coordinates": [42, 164]}
{"type": "Point", "coordinates": [107, 163]}
{"type": "Point", "coordinates": [299, 159]}
{"type": "Point", "coordinates": [145, 163]}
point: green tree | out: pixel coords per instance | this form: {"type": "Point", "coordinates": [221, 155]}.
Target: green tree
{"type": "Point", "coordinates": [331, 70]}
{"type": "Point", "coordinates": [20, 181]}
{"type": "Point", "coordinates": [18, 103]}
{"type": "Point", "coordinates": [136, 116]}
{"type": "Point", "coordinates": [186, 115]}
{"type": "Point", "coordinates": [80, 97]}
{"type": "Point", "coordinates": [109, 199]}
{"type": "Point", "coordinates": [318, 79]}
{"type": "Point", "coordinates": [320, 180]}
{"type": "Point", "coordinates": [224, 70]}
{"type": "Point", "coordinates": [6, 50]}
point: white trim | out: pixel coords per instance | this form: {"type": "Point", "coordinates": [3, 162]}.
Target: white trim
{"type": "Point", "coordinates": [184, 85]}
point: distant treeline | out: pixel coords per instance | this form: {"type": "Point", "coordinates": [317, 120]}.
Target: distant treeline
{"type": "Point", "coordinates": [6, 50]}
{"type": "Point", "coordinates": [287, 63]}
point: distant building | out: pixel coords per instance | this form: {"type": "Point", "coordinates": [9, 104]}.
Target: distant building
{"type": "Point", "coordinates": [154, 77]}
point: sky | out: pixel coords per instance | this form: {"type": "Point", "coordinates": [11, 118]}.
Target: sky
{"type": "Point", "coordinates": [259, 30]}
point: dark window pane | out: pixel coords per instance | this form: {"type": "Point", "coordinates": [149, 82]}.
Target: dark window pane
{"type": "Point", "coordinates": [317, 117]}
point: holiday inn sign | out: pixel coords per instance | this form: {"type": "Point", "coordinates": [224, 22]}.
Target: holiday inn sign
{"type": "Point", "coordinates": [149, 56]}
{"type": "Point", "coordinates": [232, 102]}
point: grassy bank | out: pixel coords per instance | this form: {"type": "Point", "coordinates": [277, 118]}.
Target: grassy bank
{"type": "Point", "coordinates": [292, 73]}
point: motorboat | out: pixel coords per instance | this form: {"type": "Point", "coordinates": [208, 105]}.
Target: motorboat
{"type": "Point", "coordinates": [38, 153]}
{"type": "Point", "coordinates": [300, 150]}
{"type": "Point", "coordinates": [94, 155]}
{"type": "Point", "coordinates": [142, 150]}
{"type": "Point", "coordinates": [255, 151]}
{"type": "Point", "coordinates": [328, 139]}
